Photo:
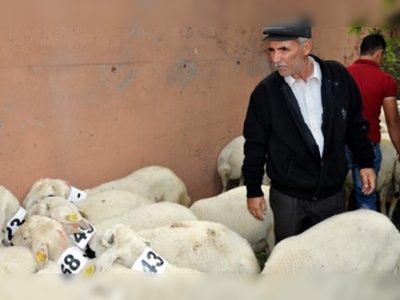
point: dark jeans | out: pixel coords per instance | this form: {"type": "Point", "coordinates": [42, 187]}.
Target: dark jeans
{"type": "Point", "coordinates": [293, 216]}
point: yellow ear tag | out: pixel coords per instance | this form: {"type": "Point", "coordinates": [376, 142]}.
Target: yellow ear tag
{"type": "Point", "coordinates": [72, 217]}
{"type": "Point", "coordinates": [41, 257]}
{"type": "Point", "coordinates": [89, 270]}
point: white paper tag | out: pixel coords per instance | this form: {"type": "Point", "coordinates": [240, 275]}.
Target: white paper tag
{"type": "Point", "coordinates": [73, 260]}
{"type": "Point", "coordinates": [76, 195]}
{"type": "Point", "coordinates": [14, 224]}
{"type": "Point", "coordinates": [150, 262]}
{"type": "Point", "coordinates": [82, 239]}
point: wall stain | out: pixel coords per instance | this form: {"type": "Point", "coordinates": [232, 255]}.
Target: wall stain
{"type": "Point", "coordinates": [127, 80]}
{"type": "Point", "coordinates": [261, 66]}
{"type": "Point", "coordinates": [32, 123]}
{"type": "Point", "coordinates": [182, 73]}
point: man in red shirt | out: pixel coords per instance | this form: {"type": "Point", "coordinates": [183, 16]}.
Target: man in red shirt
{"type": "Point", "coordinates": [378, 89]}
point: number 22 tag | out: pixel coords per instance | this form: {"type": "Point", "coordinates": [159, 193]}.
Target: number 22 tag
{"type": "Point", "coordinates": [14, 224]}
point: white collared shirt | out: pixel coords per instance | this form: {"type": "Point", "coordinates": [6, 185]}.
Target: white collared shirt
{"type": "Point", "coordinates": [308, 96]}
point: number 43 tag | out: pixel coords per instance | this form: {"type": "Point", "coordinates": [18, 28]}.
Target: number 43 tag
{"type": "Point", "coordinates": [150, 262]}
{"type": "Point", "coordinates": [82, 239]}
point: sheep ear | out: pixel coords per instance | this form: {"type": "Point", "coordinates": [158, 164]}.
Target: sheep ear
{"type": "Point", "coordinates": [83, 224]}
{"type": "Point", "coordinates": [41, 253]}
{"type": "Point", "coordinates": [108, 239]}
{"type": "Point", "coordinates": [71, 228]}
{"type": "Point", "coordinates": [147, 242]}
{"type": "Point", "coordinates": [83, 214]}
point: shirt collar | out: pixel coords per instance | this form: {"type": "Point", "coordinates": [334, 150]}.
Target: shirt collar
{"type": "Point", "coordinates": [315, 74]}
{"type": "Point", "coordinates": [367, 62]}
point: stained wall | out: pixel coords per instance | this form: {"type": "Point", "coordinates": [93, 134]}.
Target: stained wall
{"type": "Point", "coordinates": [89, 104]}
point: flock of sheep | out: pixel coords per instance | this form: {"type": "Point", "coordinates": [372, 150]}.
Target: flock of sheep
{"type": "Point", "coordinates": [147, 223]}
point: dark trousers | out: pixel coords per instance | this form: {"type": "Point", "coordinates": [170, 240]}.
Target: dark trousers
{"type": "Point", "coordinates": [293, 216]}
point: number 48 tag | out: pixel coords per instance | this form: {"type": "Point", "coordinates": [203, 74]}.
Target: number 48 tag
{"type": "Point", "coordinates": [150, 262]}
{"type": "Point", "coordinates": [72, 260]}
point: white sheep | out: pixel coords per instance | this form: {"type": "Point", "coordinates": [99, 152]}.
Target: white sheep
{"type": "Point", "coordinates": [44, 188]}
{"type": "Point", "coordinates": [396, 184]}
{"type": "Point", "coordinates": [44, 236]}
{"type": "Point", "coordinates": [39, 245]}
{"type": "Point", "coordinates": [230, 209]}
{"type": "Point", "coordinates": [68, 214]}
{"type": "Point", "coordinates": [9, 209]}
{"type": "Point", "coordinates": [154, 182]}
{"type": "Point", "coordinates": [149, 216]}
{"type": "Point", "coordinates": [109, 204]}
{"type": "Point", "coordinates": [230, 161]}
{"type": "Point", "coordinates": [361, 241]}
{"type": "Point", "coordinates": [204, 246]}
{"type": "Point", "coordinates": [99, 206]}
{"type": "Point", "coordinates": [37, 239]}
{"type": "Point", "coordinates": [384, 178]}
{"type": "Point", "coordinates": [126, 247]}
{"type": "Point", "coordinates": [17, 260]}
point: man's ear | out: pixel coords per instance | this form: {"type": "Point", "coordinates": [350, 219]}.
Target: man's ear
{"type": "Point", "coordinates": [41, 253]}
{"type": "Point", "coordinates": [307, 47]}
{"type": "Point", "coordinates": [378, 56]}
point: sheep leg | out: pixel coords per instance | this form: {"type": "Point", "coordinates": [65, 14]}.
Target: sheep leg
{"type": "Point", "coordinates": [241, 180]}
{"type": "Point", "coordinates": [394, 200]}
{"type": "Point", "coordinates": [271, 238]}
{"type": "Point", "coordinates": [225, 182]}
{"type": "Point", "coordinates": [382, 199]}
{"type": "Point", "coordinates": [347, 193]}
{"type": "Point", "coordinates": [392, 207]}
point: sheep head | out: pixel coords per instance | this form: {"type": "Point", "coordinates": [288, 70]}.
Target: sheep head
{"type": "Point", "coordinates": [46, 187]}
{"type": "Point", "coordinates": [44, 236]}
{"type": "Point", "coordinates": [63, 211]}
{"type": "Point", "coordinates": [119, 244]}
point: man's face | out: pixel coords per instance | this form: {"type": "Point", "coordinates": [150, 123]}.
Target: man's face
{"type": "Point", "coordinates": [289, 57]}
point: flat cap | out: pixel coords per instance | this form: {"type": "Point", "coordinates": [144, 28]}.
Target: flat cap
{"type": "Point", "coordinates": [288, 33]}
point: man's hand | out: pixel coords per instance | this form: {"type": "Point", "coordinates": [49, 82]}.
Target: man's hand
{"type": "Point", "coordinates": [368, 178]}
{"type": "Point", "coordinates": [257, 207]}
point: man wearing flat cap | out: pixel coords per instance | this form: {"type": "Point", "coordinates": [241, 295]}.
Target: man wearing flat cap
{"type": "Point", "coordinates": [298, 121]}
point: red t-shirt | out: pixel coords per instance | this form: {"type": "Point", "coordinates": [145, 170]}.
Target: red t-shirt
{"type": "Point", "coordinates": [374, 85]}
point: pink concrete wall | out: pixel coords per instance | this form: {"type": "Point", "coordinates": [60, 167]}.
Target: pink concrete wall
{"type": "Point", "coordinates": [336, 43]}
{"type": "Point", "coordinates": [92, 104]}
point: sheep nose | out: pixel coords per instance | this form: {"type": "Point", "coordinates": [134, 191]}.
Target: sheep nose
{"type": "Point", "coordinates": [89, 252]}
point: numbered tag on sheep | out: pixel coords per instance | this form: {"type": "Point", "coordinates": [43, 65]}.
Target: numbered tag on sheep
{"type": "Point", "coordinates": [73, 260]}
{"type": "Point", "coordinates": [82, 239]}
{"type": "Point", "coordinates": [76, 195]}
{"type": "Point", "coordinates": [150, 262]}
{"type": "Point", "coordinates": [14, 224]}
